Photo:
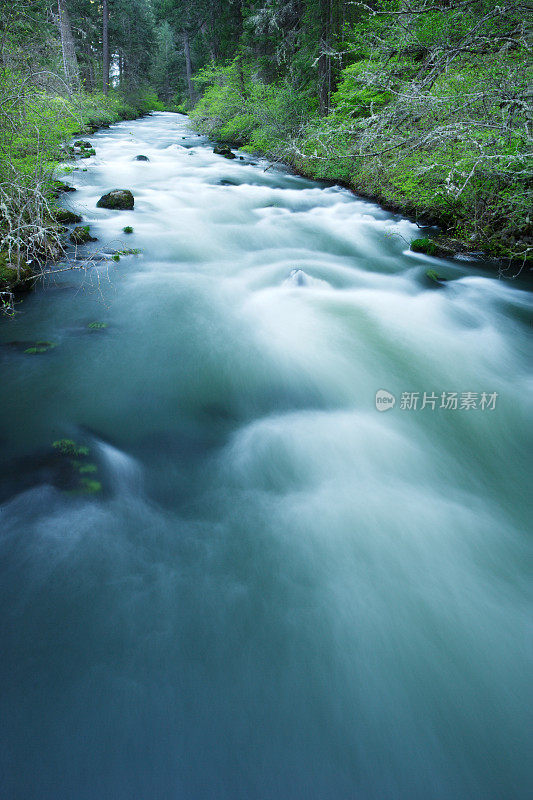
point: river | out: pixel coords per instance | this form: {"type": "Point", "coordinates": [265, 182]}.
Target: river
{"type": "Point", "coordinates": [247, 582]}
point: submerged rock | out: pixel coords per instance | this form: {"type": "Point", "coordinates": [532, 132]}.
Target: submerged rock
{"type": "Point", "coordinates": [39, 347]}
{"type": "Point", "coordinates": [141, 158]}
{"type": "Point", "coordinates": [82, 234]}
{"type": "Point", "coordinates": [435, 278]}
{"type": "Point", "coordinates": [117, 199]}
{"type": "Point", "coordinates": [298, 278]}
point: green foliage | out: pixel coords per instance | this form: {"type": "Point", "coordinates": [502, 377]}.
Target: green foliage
{"type": "Point", "coordinates": [426, 114]}
{"type": "Point", "coordinates": [237, 107]}
{"type": "Point", "coordinates": [128, 229]}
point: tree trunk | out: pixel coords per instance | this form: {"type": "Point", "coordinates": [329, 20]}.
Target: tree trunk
{"type": "Point", "coordinates": [208, 41]}
{"type": "Point", "coordinates": [105, 47]}
{"type": "Point", "coordinates": [324, 59]}
{"type": "Point", "coordinates": [188, 65]}
{"type": "Point", "coordinates": [70, 62]}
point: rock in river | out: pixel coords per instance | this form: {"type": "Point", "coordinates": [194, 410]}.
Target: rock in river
{"type": "Point", "coordinates": [117, 198]}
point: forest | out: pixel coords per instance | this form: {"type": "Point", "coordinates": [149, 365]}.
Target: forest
{"type": "Point", "coordinates": [265, 400]}
{"type": "Point", "coordinates": [422, 105]}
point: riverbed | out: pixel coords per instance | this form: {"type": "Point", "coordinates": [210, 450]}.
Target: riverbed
{"type": "Point", "coordinates": [249, 576]}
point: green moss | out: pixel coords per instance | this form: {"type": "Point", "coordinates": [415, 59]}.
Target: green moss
{"type": "Point", "coordinates": [8, 273]}
{"type": "Point", "coordinates": [424, 246]}
{"type": "Point", "coordinates": [66, 217]}
{"type": "Point", "coordinates": [115, 257]}
{"type": "Point", "coordinates": [127, 229]}
{"type": "Point", "coordinates": [97, 326]}
{"type": "Point", "coordinates": [68, 447]}
{"type": "Point", "coordinates": [81, 235]}
{"type": "Point", "coordinates": [40, 347]}
{"type": "Point", "coordinates": [90, 486]}
{"type": "Point", "coordinates": [87, 469]}
{"type": "Point", "coordinates": [61, 186]}
{"type": "Point", "coordinates": [435, 278]}
{"type": "Point", "coordinates": [117, 199]}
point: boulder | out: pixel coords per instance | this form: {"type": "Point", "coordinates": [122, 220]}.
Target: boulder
{"type": "Point", "coordinates": [141, 158]}
{"type": "Point", "coordinates": [66, 217]}
{"type": "Point", "coordinates": [223, 150]}
{"type": "Point", "coordinates": [81, 234]}
{"type": "Point", "coordinates": [431, 248]}
{"type": "Point", "coordinates": [61, 186]}
{"type": "Point", "coordinates": [117, 199]}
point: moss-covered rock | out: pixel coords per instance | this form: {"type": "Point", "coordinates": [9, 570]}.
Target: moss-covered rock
{"type": "Point", "coordinates": [127, 229]}
{"type": "Point", "coordinates": [435, 278]}
{"type": "Point", "coordinates": [223, 150]}
{"type": "Point", "coordinates": [13, 279]}
{"type": "Point", "coordinates": [431, 247]}
{"type": "Point", "coordinates": [61, 186]}
{"type": "Point", "coordinates": [40, 347]}
{"type": "Point", "coordinates": [117, 199]}
{"type": "Point", "coordinates": [81, 235]}
{"type": "Point", "coordinates": [97, 326]}
{"type": "Point", "coordinates": [68, 447]}
{"type": "Point", "coordinates": [77, 474]}
{"type": "Point", "coordinates": [66, 217]}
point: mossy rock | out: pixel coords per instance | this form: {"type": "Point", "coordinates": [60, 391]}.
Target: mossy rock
{"type": "Point", "coordinates": [97, 326]}
{"type": "Point", "coordinates": [40, 347]}
{"type": "Point", "coordinates": [223, 150]}
{"type": "Point", "coordinates": [430, 248]}
{"type": "Point", "coordinates": [141, 158]}
{"type": "Point", "coordinates": [9, 275]}
{"type": "Point", "coordinates": [121, 199]}
{"type": "Point", "coordinates": [61, 186]}
{"type": "Point", "coordinates": [68, 447]}
{"type": "Point", "coordinates": [66, 217]}
{"type": "Point", "coordinates": [89, 486]}
{"type": "Point", "coordinates": [87, 469]}
{"type": "Point", "coordinates": [435, 278]}
{"type": "Point", "coordinates": [127, 229]}
{"type": "Point", "coordinates": [82, 143]}
{"type": "Point", "coordinates": [81, 235]}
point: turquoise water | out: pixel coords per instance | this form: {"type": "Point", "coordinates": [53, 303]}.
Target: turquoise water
{"type": "Point", "coordinates": [279, 591]}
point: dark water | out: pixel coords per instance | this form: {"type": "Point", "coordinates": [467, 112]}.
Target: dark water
{"type": "Point", "coordinates": [278, 592]}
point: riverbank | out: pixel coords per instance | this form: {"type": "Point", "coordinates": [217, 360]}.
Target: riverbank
{"type": "Point", "coordinates": [35, 160]}
{"type": "Point", "coordinates": [443, 142]}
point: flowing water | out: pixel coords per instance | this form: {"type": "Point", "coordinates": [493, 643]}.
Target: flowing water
{"type": "Point", "coordinates": [279, 592]}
